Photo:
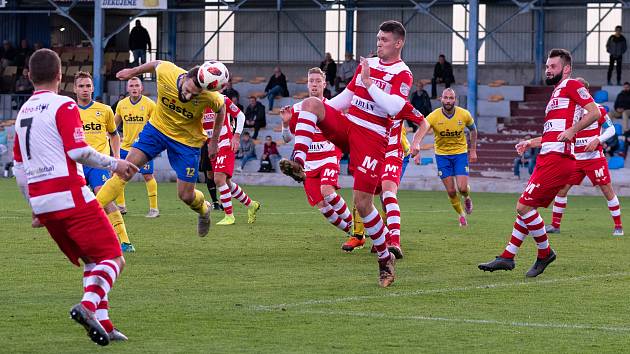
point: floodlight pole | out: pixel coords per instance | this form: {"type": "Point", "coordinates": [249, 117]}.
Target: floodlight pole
{"type": "Point", "coordinates": [350, 27]}
{"type": "Point", "coordinates": [539, 42]}
{"type": "Point", "coordinates": [98, 49]}
{"type": "Point", "coordinates": [473, 50]}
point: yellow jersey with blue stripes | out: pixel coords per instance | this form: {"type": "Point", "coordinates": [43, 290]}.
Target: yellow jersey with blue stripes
{"type": "Point", "coordinates": [181, 121]}
{"type": "Point", "coordinates": [450, 138]}
{"type": "Point", "coordinates": [134, 117]}
{"type": "Point", "coordinates": [98, 120]}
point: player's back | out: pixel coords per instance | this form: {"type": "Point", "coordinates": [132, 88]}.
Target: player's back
{"type": "Point", "coordinates": [393, 78]}
{"type": "Point", "coordinates": [134, 117]}
{"type": "Point", "coordinates": [43, 135]}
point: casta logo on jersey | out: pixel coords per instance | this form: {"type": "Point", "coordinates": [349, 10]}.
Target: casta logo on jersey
{"type": "Point", "coordinates": [448, 133]}
{"type": "Point", "coordinates": [92, 126]}
{"type": "Point", "coordinates": [177, 109]}
{"type": "Point", "coordinates": [130, 118]}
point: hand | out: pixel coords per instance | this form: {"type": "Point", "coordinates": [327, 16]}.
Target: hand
{"type": "Point", "coordinates": [365, 73]}
{"type": "Point", "coordinates": [522, 146]}
{"type": "Point", "coordinates": [567, 135]}
{"type": "Point", "coordinates": [592, 145]}
{"type": "Point", "coordinates": [125, 169]}
{"type": "Point", "coordinates": [213, 147]}
{"type": "Point", "coordinates": [236, 142]}
{"type": "Point", "coordinates": [285, 114]}
{"type": "Point", "coordinates": [415, 154]}
{"type": "Point", "coordinates": [472, 156]}
{"type": "Point", "coordinates": [125, 74]}
{"type": "Point", "coordinates": [35, 223]}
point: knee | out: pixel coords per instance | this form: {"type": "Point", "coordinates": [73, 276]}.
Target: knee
{"type": "Point", "coordinates": [451, 193]}
{"type": "Point", "coordinates": [120, 261]}
{"type": "Point", "coordinates": [186, 196]}
{"type": "Point", "coordinates": [312, 105]}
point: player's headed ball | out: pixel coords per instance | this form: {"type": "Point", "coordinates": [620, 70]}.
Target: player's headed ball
{"type": "Point", "coordinates": [213, 75]}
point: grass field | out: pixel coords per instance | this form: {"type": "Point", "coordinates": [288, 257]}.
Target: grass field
{"type": "Point", "coordinates": [283, 284]}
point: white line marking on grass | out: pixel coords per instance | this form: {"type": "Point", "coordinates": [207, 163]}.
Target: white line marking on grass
{"type": "Point", "coordinates": [468, 321]}
{"type": "Point", "coordinates": [422, 292]}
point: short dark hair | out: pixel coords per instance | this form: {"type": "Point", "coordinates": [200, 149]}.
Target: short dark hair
{"type": "Point", "coordinates": [442, 56]}
{"type": "Point", "coordinates": [564, 55]}
{"type": "Point", "coordinates": [394, 27]}
{"type": "Point", "coordinates": [44, 66]}
{"type": "Point", "coordinates": [618, 28]}
{"type": "Point", "coordinates": [626, 83]}
{"type": "Point", "coordinates": [82, 75]}
{"type": "Point", "coordinates": [192, 74]}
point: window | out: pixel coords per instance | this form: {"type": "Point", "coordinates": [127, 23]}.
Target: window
{"type": "Point", "coordinates": [460, 24]}
{"type": "Point", "coordinates": [602, 29]}
{"type": "Point", "coordinates": [336, 33]}
{"type": "Point", "coordinates": [221, 47]}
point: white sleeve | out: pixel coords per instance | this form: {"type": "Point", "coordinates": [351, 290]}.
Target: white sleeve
{"type": "Point", "coordinates": [90, 157]}
{"type": "Point", "coordinates": [20, 177]}
{"type": "Point", "coordinates": [607, 134]}
{"type": "Point", "coordinates": [392, 104]}
{"type": "Point", "coordinates": [286, 135]}
{"type": "Point", "coordinates": [342, 101]}
{"type": "Point", "coordinates": [240, 123]}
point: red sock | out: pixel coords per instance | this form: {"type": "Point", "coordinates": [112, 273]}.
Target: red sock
{"type": "Point", "coordinates": [559, 204]}
{"type": "Point", "coordinates": [390, 203]}
{"type": "Point", "coordinates": [519, 232]}
{"type": "Point", "coordinates": [615, 211]}
{"type": "Point", "coordinates": [226, 199]}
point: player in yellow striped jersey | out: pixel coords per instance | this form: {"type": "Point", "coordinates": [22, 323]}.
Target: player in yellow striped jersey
{"type": "Point", "coordinates": [452, 152]}
{"type": "Point", "coordinates": [100, 132]}
{"type": "Point", "coordinates": [177, 128]}
{"type": "Point", "coordinates": [134, 112]}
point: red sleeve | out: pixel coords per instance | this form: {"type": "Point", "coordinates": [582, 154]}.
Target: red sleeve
{"type": "Point", "coordinates": [602, 119]}
{"type": "Point", "coordinates": [17, 153]}
{"type": "Point", "coordinates": [293, 121]}
{"type": "Point", "coordinates": [231, 108]}
{"type": "Point", "coordinates": [401, 84]}
{"type": "Point", "coordinates": [408, 112]}
{"type": "Point", "coordinates": [352, 86]}
{"type": "Point", "coordinates": [578, 93]}
{"type": "Point", "coordinates": [70, 127]}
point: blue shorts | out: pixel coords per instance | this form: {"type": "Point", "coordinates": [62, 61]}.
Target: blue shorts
{"type": "Point", "coordinates": [452, 165]}
{"type": "Point", "coordinates": [95, 177]}
{"type": "Point", "coordinates": [184, 159]}
{"type": "Point", "coordinates": [404, 165]}
{"type": "Point", "coordinates": [147, 169]}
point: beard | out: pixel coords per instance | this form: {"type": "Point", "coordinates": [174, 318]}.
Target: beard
{"type": "Point", "coordinates": [448, 107]}
{"type": "Point", "coordinates": [553, 81]}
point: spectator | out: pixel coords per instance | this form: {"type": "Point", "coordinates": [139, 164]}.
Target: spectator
{"type": "Point", "coordinates": [528, 158]}
{"type": "Point", "coordinates": [23, 87]}
{"type": "Point", "coordinates": [4, 146]}
{"type": "Point", "coordinates": [23, 54]}
{"type": "Point", "coordinates": [255, 116]}
{"type": "Point", "coordinates": [329, 66]}
{"type": "Point", "coordinates": [139, 43]}
{"type": "Point", "coordinates": [270, 156]}
{"type": "Point", "coordinates": [622, 106]}
{"type": "Point", "coordinates": [7, 54]}
{"type": "Point", "coordinates": [246, 150]}
{"type": "Point", "coordinates": [420, 100]}
{"type": "Point", "coordinates": [442, 74]}
{"type": "Point", "coordinates": [346, 72]}
{"type": "Point", "coordinates": [230, 92]}
{"type": "Point", "coordinates": [277, 85]}
{"type": "Point", "coordinates": [235, 100]}
{"type": "Point", "coordinates": [616, 46]}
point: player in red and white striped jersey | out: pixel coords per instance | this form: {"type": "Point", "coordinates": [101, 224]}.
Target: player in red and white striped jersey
{"type": "Point", "coordinates": [590, 163]}
{"type": "Point", "coordinates": [322, 161]}
{"type": "Point", "coordinates": [50, 151]}
{"type": "Point", "coordinates": [223, 162]}
{"type": "Point", "coordinates": [556, 162]}
{"type": "Point", "coordinates": [376, 93]}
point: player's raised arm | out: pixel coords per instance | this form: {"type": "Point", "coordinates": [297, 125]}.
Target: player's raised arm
{"type": "Point", "coordinates": [391, 103]}
{"type": "Point", "coordinates": [286, 113]}
{"type": "Point", "coordinates": [219, 120]}
{"type": "Point", "coordinates": [578, 93]}
{"type": "Point", "coordinates": [126, 74]}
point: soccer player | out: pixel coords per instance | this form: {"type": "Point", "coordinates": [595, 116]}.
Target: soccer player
{"type": "Point", "coordinates": [176, 127]}
{"type": "Point", "coordinates": [134, 112]}
{"type": "Point", "coordinates": [396, 160]}
{"type": "Point", "coordinates": [452, 152]}
{"type": "Point", "coordinates": [377, 92]}
{"type": "Point", "coordinates": [555, 163]}
{"type": "Point", "coordinates": [322, 161]}
{"type": "Point", "coordinates": [205, 167]}
{"type": "Point", "coordinates": [590, 163]}
{"type": "Point", "coordinates": [50, 153]}
{"type": "Point", "coordinates": [100, 132]}
{"type": "Point", "coordinates": [223, 163]}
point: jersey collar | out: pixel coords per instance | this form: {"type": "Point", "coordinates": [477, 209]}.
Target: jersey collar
{"type": "Point", "coordinates": [86, 107]}
{"type": "Point", "coordinates": [41, 91]}
{"type": "Point", "coordinates": [389, 64]}
{"type": "Point", "coordinates": [135, 103]}
{"type": "Point", "coordinates": [446, 115]}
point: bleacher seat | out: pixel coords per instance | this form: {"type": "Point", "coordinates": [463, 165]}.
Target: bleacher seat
{"type": "Point", "coordinates": [615, 162]}
{"type": "Point", "coordinates": [302, 80]}
{"type": "Point", "coordinates": [66, 57]}
{"type": "Point", "coordinates": [618, 128]}
{"type": "Point", "coordinates": [601, 96]}
{"type": "Point", "coordinates": [426, 161]}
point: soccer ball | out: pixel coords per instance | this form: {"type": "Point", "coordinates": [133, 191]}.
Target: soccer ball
{"type": "Point", "coordinates": [213, 75]}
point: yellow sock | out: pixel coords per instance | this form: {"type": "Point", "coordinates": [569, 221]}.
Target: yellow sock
{"type": "Point", "coordinates": [152, 193]}
{"type": "Point", "coordinates": [457, 204]}
{"type": "Point", "coordinates": [199, 204]}
{"type": "Point", "coordinates": [120, 200]}
{"type": "Point", "coordinates": [383, 216]}
{"type": "Point", "coordinates": [110, 190]}
{"type": "Point", "coordinates": [358, 228]}
{"type": "Point", "coordinates": [465, 194]}
{"type": "Point", "coordinates": [119, 226]}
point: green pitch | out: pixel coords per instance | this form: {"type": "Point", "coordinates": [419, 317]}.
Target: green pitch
{"type": "Point", "coordinates": [283, 284]}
